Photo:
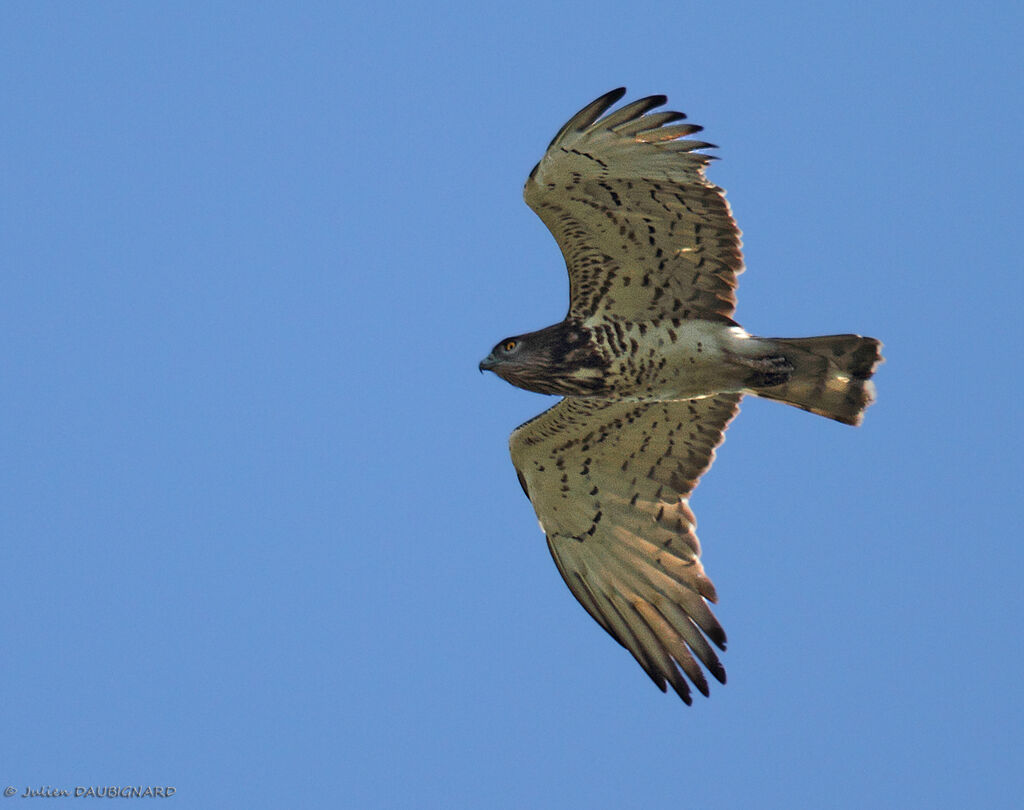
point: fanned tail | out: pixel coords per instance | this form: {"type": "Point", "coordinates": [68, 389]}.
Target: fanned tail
{"type": "Point", "coordinates": [829, 375]}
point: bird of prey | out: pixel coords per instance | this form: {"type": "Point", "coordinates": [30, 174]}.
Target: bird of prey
{"type": "Point", "coordinates": [651, 367]}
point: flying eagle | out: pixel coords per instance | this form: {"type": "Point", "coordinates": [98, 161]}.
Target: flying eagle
{"type": "Point", "coordinates": [651, 367]}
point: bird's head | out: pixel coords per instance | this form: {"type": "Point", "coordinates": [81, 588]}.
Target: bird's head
{"type": "Point", "coordinates": [517, 360]}
{"type": "Point", "coordinates": [557, 360]}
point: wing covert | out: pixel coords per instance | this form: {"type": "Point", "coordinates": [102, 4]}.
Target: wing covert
{"type": "Point", "coordinates": [610, 483]}
{"type": "Point", "coordinates": [642, 231]}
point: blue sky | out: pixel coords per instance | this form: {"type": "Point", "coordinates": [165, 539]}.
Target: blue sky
{"type": "Point", "coordinates": [261, 538]}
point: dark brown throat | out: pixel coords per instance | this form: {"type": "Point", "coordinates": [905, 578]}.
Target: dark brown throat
{"type": "Point", "coordinates": [563, 359]}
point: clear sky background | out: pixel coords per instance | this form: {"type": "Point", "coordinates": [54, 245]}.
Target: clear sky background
{"type": "Point", "coordinates": [261, 537]}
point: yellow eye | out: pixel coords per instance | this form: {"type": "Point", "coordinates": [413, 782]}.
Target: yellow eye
{"type": "Point", "coordinates": [509, 345]}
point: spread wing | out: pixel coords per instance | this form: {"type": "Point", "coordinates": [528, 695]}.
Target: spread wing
{"type": "Point", "coordinates": [643, 233]}
{"type": "Point", "coordinates": [610, 482]}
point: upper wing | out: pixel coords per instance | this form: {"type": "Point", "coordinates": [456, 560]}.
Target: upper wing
{"type": "Point", "coordinates": [609, 482]}
{"type": "Point", "coordinates": [642, 230]}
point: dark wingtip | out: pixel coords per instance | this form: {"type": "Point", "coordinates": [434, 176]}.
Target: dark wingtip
{"type": "Point", "coordinates": [684, 693]}
{"type": "Point", "coordinates": [706, 589]}
{"type": "Point", "coordinates": [589, 114]}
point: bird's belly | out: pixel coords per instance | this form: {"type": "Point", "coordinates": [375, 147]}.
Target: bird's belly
{"type": "Point", "coordinates": [691, 360]}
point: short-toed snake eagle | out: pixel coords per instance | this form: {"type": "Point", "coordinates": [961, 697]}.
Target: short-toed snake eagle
{"type": "Point", "coordinates": [652, 367]}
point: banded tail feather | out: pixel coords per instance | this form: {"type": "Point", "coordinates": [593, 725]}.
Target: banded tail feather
{"type": "Point", "coordinates": [828, 375]}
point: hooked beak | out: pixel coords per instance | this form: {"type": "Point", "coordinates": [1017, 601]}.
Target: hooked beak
{"type": "Point", "coordinates": [487, 364]}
